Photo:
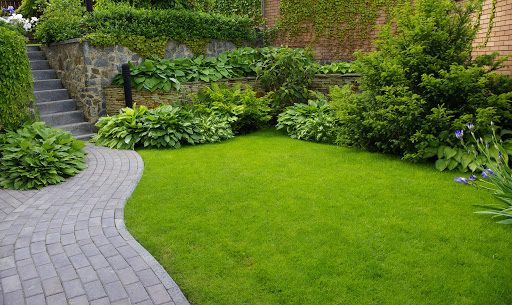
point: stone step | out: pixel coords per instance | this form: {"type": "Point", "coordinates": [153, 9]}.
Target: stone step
{"type": "Point", "coordinates": [36, 55]}
{"type": "Point", "coordinates": [44, 74]}
{"type": "Point", "coordinates": [85, 137]}
{"type": "Point", "coordinates": [56, 106]}
{"type": "Point", "coordinates": [49, 84]}
{"type": "Point", "coordinates": [51, 95]}
{"type": "Point", "coordinates": [34, 48]}
{"type": "Point", "coordinates": [77, 129]}
{"type": "Point", "coordinates": [39, 65]}
{"type": "Point", "coordinates": [63, 118]}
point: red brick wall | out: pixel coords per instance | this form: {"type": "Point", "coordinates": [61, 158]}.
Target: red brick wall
{"type": "Point", "coordinates": [500, 39]}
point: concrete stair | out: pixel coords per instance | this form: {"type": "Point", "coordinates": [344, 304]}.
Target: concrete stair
{"type": "Point", "coordinates": [56, 108]}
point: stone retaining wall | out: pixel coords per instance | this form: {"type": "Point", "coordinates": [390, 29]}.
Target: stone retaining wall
{"type": "Point", "coordinates": [114, 95]}
{"type": "Point", "coordinates": [85, 69]}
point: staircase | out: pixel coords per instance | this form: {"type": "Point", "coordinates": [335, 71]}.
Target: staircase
{"type": "Point", "coordinates": [55, 106]}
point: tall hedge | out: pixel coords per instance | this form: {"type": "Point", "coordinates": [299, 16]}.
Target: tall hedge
{"type": "Point", "coordinates": [16, 82]}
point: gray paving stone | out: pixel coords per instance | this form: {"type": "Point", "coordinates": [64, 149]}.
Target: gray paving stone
{"type": "Point", "coordinates": [52, 286]}
{"type": "Point", "coordinates": [67, 243]}
{"type": "Point", "coordinates": [32, 287]}
{"type": "Point", "coordinates": [159, 294]}
{"type": "Point", "coordinates": [38, 299]}
{"type": "Point", "coordinates": [94, 290]}
{"type": "Point", "coordinates": [67, 273]}
{"type": "Point", "coordinates": [137, 292]}
{"type": "Point", "coordinates": [57, 299]}
{"type": "Point", "coordinates": [81, 300]}
{"type": "Point", "coordinates": [115, 291]}
{"type": "Point", "coordinates": [27, 272]}
{"type": "Point", "coordinates": [11, 283]}
{"type": "Point", "coordinates": [73, 288]}
{"type": "Point", "coordinates": [14, 298]}
{"type": "Point", "coordinates": [148, 277]}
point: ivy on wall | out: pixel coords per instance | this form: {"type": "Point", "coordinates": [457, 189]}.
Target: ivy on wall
{"type": "Point", "coordinates": [347, 23]}
{"type": "Point", "coordinates": [491, 21]}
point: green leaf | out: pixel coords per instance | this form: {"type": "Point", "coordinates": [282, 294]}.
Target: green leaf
{"type": "Point", "coordinates": [441, 165]}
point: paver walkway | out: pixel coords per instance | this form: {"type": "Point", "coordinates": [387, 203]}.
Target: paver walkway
{"type": "Point", "coordinates": [67, 243]}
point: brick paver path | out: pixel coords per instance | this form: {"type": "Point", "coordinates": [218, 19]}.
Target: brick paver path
{"type": "Point", "coordinates": [67, 243]}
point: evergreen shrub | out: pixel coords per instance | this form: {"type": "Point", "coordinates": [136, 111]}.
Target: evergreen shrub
{"type": "Point", "coordinates": [422, 84]}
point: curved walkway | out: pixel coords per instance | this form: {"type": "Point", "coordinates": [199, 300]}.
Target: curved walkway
{"type": "Point", "coordinates": [67, 243]}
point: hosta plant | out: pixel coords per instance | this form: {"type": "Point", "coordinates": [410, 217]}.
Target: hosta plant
{"type": "Point", "coordinates": [314, 121]}
{"type": "Point", "coordinates": [35, 155]}
{"type": "Point", "coordinates": [495, 171]}
{"type": "Point", "coordinates": [165, 126]}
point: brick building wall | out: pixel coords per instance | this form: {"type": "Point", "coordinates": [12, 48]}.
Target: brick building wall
{"type": "Point", "coordinates": [500, 39]}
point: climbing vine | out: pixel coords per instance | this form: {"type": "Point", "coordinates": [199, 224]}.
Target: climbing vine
{"type": "Point", "coordinates": [348, 23]}
{"type": "Point", "coordinates": [491, 21]}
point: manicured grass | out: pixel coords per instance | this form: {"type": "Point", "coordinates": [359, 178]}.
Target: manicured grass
{"type": "Point", "coordinates": [265, 219]}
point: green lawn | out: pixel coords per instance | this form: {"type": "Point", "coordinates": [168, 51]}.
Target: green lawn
{"type": "Point", "coordinates": [265, 219]}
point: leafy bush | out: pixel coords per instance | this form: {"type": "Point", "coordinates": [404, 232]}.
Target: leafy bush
{"type": "Point", "coordinates": [61, 20]}
{"type": "Point", "coordinates": [288, 73]}
{"type": "Point", "coordinates": [35, 155]}
{"type": "Point", "coordinates": [165, 126]}
{"type": "Point", "coordinates": [32, 8]}
{"type": "Point", "coordinates": [421, 84]}
{"type": "Point", "coordinates": [245, 112]}
{"type": "Point", "coordinates": [314, 121]}
{"type": "Point", "coordinates": [335, 68]}
{"type": "Point", "coordinates": [15, 79]}
{"type": "Point", "coordinates": [496, 173]}
{"type": "Point", "coordinates": [122, 20]}
{"type": "Point", "coordinates": [167, 74]}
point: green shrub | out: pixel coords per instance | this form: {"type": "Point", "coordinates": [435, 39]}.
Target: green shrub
{"type": "Point", "coordinates": [181, 25]}
{"type": "Point", "coordinates": [421, 84]}
{"type": "Point", "coordinates": [32, 8]}
{"type": "Point", "coordinates": [165, 126]}
{"type": "Point", "coordinates": [15, 79]}
{"type": "Point", "coordinates": [314, 121]}
{"type": "Point", "coordinates": [335, 68]}
{"type": "Point", "coordinates": [35, 155]}
{"type": "Point", "coordinates": [288, 73]}
{"type": "Point", "coordinates": [167, 74]}
{"type": "Point", "coordinates": [61, 20]}
{"type": "Point", "coordinates": [245, 112]}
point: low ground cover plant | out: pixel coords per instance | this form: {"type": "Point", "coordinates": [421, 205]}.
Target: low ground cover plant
{"type": "Point", "coordinates": [422, 84]}
{"type": "Point", "coordinates": [315, 121]}
{"type": "Point", "coordinates": [34, 155]}
{"type": "Point", "coordinates": [272, 220]}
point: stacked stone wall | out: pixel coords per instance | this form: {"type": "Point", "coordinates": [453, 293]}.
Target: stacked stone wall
{"type": "Point", "coordinates": [85, 69]}
{"type": "Point", "coordinates": [114, 95]}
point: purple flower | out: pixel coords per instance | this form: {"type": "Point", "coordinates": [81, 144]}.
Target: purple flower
{"type": "Point", "coordinates": [459, 133]}
{"type": "Point", "coordinates": [470, 126]}
{"type": "Point", "coordinates": [9, 9]}
{"type": "Point", "coordinates": [472, 178]}
{"type": "Point", "coordinates": [484, 175]}
{"type": "Point", "coordinates": [487, 144]}
{"type": "Point", "coordinates": [461, 180]}
{"type": "Point", "coordinates": [499, 154]}
{"type": "Point", "coordinates": [490, 172]}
